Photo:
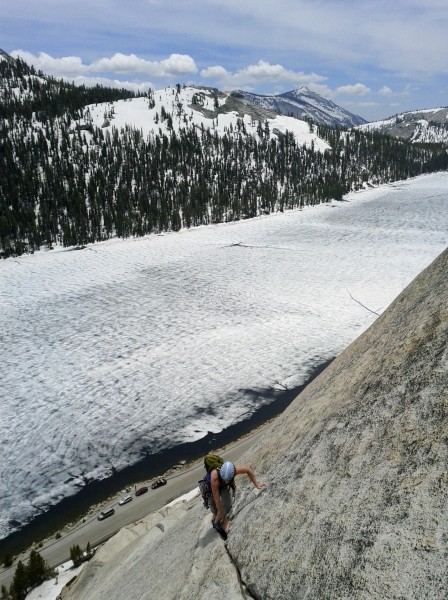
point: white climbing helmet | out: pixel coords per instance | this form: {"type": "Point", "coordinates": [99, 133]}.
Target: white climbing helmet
{"type": "Point", "coordinates": [227, 471]}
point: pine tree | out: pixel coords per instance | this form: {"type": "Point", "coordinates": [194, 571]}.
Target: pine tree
{"type": "Point", "coordinates": [37, 569]}
{"type": "Point", "coordinates": [7, 560]}
{"type": "Point", "coordinates": [76, 555]}
{"type": "Point", "coordinates": [19, 585]}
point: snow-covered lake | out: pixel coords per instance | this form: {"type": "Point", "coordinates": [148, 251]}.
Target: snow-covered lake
{"type": "Point", "coordinates": [139, 344]}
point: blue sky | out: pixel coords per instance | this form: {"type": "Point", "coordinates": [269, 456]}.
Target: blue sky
{"type": "Point", "coordinates": [373, 57]}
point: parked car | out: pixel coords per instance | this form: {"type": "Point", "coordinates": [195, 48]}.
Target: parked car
{"type": "Point", "coordinates": [125, 500]}
{"type": "Point", "coordinates": [158, 483]}
{"type": "Point", "coordinates": [106, 513]}
{"type": "Point", "coordinates": [141, 491]}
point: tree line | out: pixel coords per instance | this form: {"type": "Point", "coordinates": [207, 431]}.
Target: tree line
{"type": "Point", "coordinates": [25, 92]}
{"type": "Point", "coordinates": [27, 576]}
{"type": "Point", "coordinates": [32, 574]}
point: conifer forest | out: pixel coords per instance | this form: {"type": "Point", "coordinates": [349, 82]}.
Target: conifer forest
{"type": "Point", "coordinates": [66, 184]}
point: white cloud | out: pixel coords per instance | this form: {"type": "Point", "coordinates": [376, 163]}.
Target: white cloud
{"type": "Point", "coordinates": [67, 66]}
{"type": "Point", "coordinates": [175, 64]}
{"type": "Point", "coordinates": [357, 89]}
{"type": "Point", "coordinates": [385, 91]}
{"type": "Point", "coordinates": [264, 70]}
{"type": "Point", "coordinates": [122, 63]}
{"type": "Point", "coordinates": [128, 64]}
{"type": "Point", "coordinates": [179, 64]}
{"type": "Point", "coordinates": [260, 73]}
{"type": "Point", "coordinates": [216, 72]}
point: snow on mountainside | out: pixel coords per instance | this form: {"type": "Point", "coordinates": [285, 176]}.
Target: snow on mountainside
{"type": "Point", "coordinates": [175, 108]}
{"type": "Point", "coordinates": [422, 126]}
{"type": "Point", "coordinates": [5, 56]}
{"type": "Point", "coordinates": [106, 162]}
{"type": "Point", "coordinates": [304, 104]}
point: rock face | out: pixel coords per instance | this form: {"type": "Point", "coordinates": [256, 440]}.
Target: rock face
{"type": "Point", "coordinates": [357, 473]}
{"type": "Point", "coordinates": [420, 126]}
{"type": "Point", "coordinates": [357, 468]}
{"type": "Point", "coordinates": [303, 104]}
{"type": "Point", "coordinates": [172, 554]}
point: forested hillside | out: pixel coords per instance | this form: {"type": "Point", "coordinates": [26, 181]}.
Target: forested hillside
{"type": "Point", "coordinates": [67, 181]}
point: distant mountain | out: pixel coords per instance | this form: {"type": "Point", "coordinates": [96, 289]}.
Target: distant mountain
{"type": "Point", "coordinates": [419, 126]}
{"type": "Point", "coordinates": [304, 104]}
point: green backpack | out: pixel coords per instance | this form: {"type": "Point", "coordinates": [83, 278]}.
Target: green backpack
{"type": "Point", "coordinates": [212, 461]}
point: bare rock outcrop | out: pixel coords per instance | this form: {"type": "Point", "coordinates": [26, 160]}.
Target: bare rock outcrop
{"type": "Point", "coordinates": [167, 555]}
{"type": "Point", "coordinates": [356, 505]}
{"type": "Point", "coordinates": [357, 467]}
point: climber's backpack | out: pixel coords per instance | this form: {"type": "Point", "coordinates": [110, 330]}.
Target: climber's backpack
{"type": "Point", "coordinates": [212, 461]}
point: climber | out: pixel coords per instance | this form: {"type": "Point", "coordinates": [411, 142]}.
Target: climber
{"type": "Point", "coordinates": [221, 482]}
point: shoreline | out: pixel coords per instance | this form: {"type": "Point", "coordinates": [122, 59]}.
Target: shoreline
{"type": "Point", "coordinates": [74, 507]}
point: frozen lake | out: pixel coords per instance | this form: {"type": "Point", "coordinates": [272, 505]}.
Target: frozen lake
{"type": "Point", "coordinates": [136, 345]}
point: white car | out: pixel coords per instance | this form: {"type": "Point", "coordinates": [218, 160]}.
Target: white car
{"type": "Point", "coordinates": [106, 513]}
{"type": "Point", "coordinates": [125, 500]}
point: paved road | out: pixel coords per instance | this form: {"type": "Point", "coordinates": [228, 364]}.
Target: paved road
{"type": "Point", "coordinates": [56, 552]}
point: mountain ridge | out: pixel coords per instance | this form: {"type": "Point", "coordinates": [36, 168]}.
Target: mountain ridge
{"type": "Point", "coordinates": [417, 126]}
{"type": "Point", "coordinates": [4, 55]}
{"type": "Point", "coordinates": [302, 103]}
